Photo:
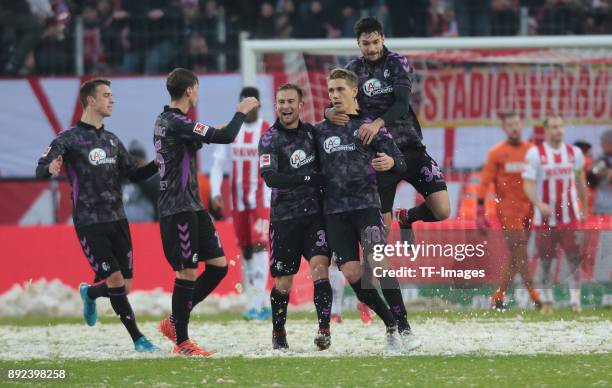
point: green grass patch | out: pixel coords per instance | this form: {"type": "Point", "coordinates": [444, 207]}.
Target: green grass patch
{"type": "Point", "coordinates": [416, 316]}
{"type": "Point", "coordinates": [500, 371]}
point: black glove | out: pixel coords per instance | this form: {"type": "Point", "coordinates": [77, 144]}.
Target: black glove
{"type": "Point", "coordinates": [315, 180]}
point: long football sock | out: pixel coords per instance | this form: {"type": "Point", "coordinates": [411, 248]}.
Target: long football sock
{"type": "Point", "coordinates": [260, 278]}
{"type": "Point", "coordinates": [323, 301]}
{"type": "Point", "coordinates": [279, 302]}
{"type": "Point", "coordinates": [207, 282]}
{"type": "Point", "coordinates": [393, 295]}
{"type": "Point", "coordinates": [182, 297]}
{"type": "Point", "coordinates": [574, 279]}
{"type": "Point", "coordinates": [97, 291]}
{"type": "Point", "coordinates": [546, 278]}
{"type": "Point", "coordinates": [372, 299]}
{"type": "Point", "coordinates": [421, 213]}
{"type": "Point", "coordinates": [247, 281]}
{"type": "Point", "coordinates": [336, 280]}
{"type": "Point", "coordinates": [121, 306]}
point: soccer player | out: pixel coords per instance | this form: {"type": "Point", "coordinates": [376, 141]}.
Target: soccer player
{"type": "Point", "coordinates": [250, 204]}
{"type": "Point", "coordinates": [97, 162]}
{"type": "Point", "coordinates": [553, 180]}
{"type": "Point", "coordinates": [384, 95]}
{"type": "Point", "coordinates": [187, 231]}
{"type": "Point", "coordinates": [352, 203]}
{"type": "Point", "coordinates": [503, 168]}
{"type": "Point", "coordinates": [288, 164]}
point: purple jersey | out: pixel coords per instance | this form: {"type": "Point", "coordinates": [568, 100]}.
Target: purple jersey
{"type": "Point", "coordinates": [377, 84]}
{"type": "Point", "coordinates": [291, 152]}
{"type": "Point", "coordinates": [177, 138]}
{"type": "Point", "coordinates": [96, 162]}
{"type": "Point", "coordinates": [347, 164]}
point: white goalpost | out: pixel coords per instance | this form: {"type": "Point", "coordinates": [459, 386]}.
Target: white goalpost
{"type": "Point", "coordinates": [250, 49]}
{"type": "Point", "coordinates": [463, 83]}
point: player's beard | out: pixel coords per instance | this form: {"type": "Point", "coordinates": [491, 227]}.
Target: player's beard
{"type": "Point", "coordinates": [374, 57]}
{"type": "Point", "coordinates": [288, 121]}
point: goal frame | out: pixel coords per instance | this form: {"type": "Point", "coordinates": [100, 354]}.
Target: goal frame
{"type": "Point", "coordinates": [250, 48]}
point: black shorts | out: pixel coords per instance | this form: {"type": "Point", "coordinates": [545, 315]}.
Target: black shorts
{"type": "Point", "coordinates": [108, 248]}
{"type": "Point", "coordinates": [345, 231]}
{"type": "Point", "coordinates": [423, 174]}
{"type": "Point", "coordinates": [188, 238]}
{"type": "Point", "coordinates": [292, 239]}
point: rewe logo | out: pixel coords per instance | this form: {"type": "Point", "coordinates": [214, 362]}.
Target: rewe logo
{"type": "Point", "coordinates": [97, 156]}
{"type": "Point", "coordinates": [374, 87]}
{"type": "Point", "coordinates": [299, 159]}
{"type": "Point", "coordinates": [334, 143]}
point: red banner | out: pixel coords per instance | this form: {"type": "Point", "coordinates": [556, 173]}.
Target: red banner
{"type": "Point", "coordinates": [579, 94]}
{"type": "Point", "coordinates": [53, 252]}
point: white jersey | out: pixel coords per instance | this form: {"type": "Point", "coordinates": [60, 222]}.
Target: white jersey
{"type": "Point", "coordinates": [554, 171]}
{"type": "Point", "coordinates": [248, 188]}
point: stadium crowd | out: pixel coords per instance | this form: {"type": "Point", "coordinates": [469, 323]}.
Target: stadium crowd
{"type": "Point", "coordinates": [152, 36]}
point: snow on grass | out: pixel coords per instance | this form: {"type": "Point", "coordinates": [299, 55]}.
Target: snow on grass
{"type": "Point", "coordinates": [351, 338]}
{"type": "Point", "coordinates": [440, 336]}
{"type": "Point", "coordinates": [55, 299]}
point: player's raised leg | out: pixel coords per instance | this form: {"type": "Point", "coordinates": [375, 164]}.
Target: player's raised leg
{"type": "Point", "coordinates": [435, 208]}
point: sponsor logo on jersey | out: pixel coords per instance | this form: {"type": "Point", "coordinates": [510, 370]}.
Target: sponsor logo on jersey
{"type": "Point", "coordinates": [244, 151]}
{"type": "Point", "coordinates": [334, 144]}
{"type": "Point", "coordinates": [97, 156]}
{"type": "Point", "coordinates": [200, 129]}
{"type": "Point", "coordinates": [105, 266]}
{"type": "Point", "coordinates": [514, 167]}
{"type": "Point", "coordinates": [194, 258]}
{"type": "Point", "coordinates": [373, 87]}
{"type": "Point", "coordinates": [558, 171]}
{"type": "Point", "coordinates": [264, 160]}
{"type": "Point", "coordinates": [299, 159]}
{"type": "Point", "coordinates": [46, 152]}
{"type": "Point", "coordinates": [159, 130]}
{"type": "Point", "coordinates": [386, 73]}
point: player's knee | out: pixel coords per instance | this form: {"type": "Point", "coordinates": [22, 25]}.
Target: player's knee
{"type": "Point", "coordinates": [351, 271]}
{"type": "Point", "coordinates": [187, 274]}
{"type": "Point", "coordinates": [439, 205]}
{"type": "Point", "coordinates": [319, 267]}
{"type": "Point", "coordinates": [128, 285]}
{"type": "Point", "coordinates": [115, 280]}
{"type": "Point", "coordinates": [259, 247]}
{"type": "Point", "coordinates": [442, 210]}
{"type": "Point", "coordinates": [247, 252]}
{"type": "Point", "coordinates": [283, 284]}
